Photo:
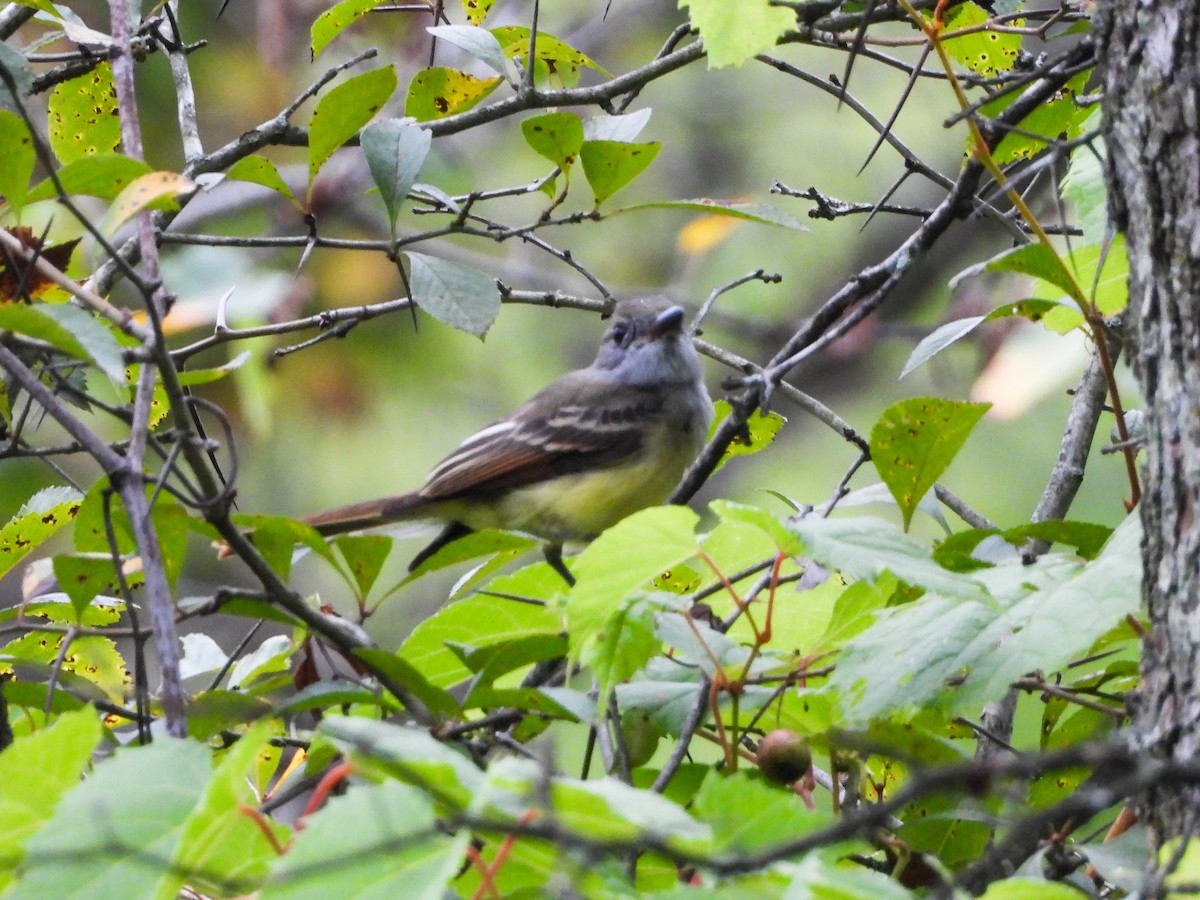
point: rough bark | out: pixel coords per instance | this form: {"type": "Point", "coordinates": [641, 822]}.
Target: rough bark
{"type": "Point", "coordinates": [1151, 71]}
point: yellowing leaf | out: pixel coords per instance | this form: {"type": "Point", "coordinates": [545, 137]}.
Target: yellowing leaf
{"type": "Point", "coordinates": [477, 10]}
{"type": "Point", "coordinates": [151, 189]}
{"type": "Point", "coordinates": [438, 92]}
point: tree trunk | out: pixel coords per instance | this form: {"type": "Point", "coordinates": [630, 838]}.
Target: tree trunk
{"type": "Point", "coordinates": [1151, 61]}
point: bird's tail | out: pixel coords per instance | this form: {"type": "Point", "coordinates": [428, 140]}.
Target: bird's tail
{"type": "Point", "coordinates": [371, 514]}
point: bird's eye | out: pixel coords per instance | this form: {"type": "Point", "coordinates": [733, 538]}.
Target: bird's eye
{"type": "Point", "coordinates": [619, 333]}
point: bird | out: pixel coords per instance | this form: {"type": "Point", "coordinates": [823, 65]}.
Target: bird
{"type": "Point", "coordinates": [589, 449]}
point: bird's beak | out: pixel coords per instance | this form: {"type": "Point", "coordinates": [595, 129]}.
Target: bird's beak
{"type": "Point", "coordinates": [669, 321]}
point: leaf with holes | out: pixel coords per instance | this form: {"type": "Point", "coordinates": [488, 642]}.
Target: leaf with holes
{"type": "Point", "coordinates": [760, 432]}
{"type": "Point", "coordinates": [83, 116]}
{"type": "Point", "coordinates": [915, 441]}
{"type": "Point", "coordinates": [42, 515]}
{"type": "Point", "coordinates": [984, 51]}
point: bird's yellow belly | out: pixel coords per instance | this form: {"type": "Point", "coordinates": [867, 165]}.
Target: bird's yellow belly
{"type": "Point", "coordinates": [578, 507]}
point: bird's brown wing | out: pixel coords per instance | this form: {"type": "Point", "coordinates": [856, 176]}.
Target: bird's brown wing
{"type": "Point", "coordinates": [593, 426]}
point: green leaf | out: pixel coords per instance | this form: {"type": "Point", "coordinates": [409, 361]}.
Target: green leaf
{"type": "Point", "coordinates": [623, 559]}
{"type": "Point", "coordinates": [194, 377]}
{"type": "Point", "coordinates": [610, 165]}
{"type": "Point", "coordinates": [1037, 260]}
{"type": "Point", "coordinates": [557, 62]}
{"type": "Point", "coordinates": [1042, 617]}
{"type": "Point", "coordinates": [69, 328]}
{"type": "Point", "coordinates": [1032, 309]}
{"type": "Point", "coordinates": [105, 839]}
{"type": "Point", "coordinates": [90, 531]}
{"type": "Point", "coordinates": [365, 555]}
{"type": "Point", "coordinates": [985, 52]}
{"type": "Point", "coordinates": [219, 845]}
{"type": "Point", "coordinates": [939, 339]}
{"type": "Point", "coordinates": [44, 6]}
{"type": "Point", "coordinates": [215, 711]}
{"type": "Point", "coordinates": [276, 538]}
{"type": "Point", "coordinates": [1108, 289]}
{"type": "Point", "coordinates": [272, 655]}
{"type": "Point", "coordinates": [556, 136]}
{"type": "Point", "coordinates": [748, 815]}
{"type": "Point", "coordinates": [324, 695]}
{"type": "Point", "coordinates": [342, 111]}
{"type": "Point", "coordinates": [42, 515]}
{"type": "Point", "coordinates": [437, 92]}
{"type": "Point", "coordinates": [501, 546]}
{"type": "Point", "coordinates": [496, 660]}
{"type": "Point", "coordinates": [868, 549]}
{"type": "Point", "coordinates": [624, 642]}
{"type": "Point", "coordinates": [1059, 119]}
{"type": "Point", "coordinates": [853, 612]}
{"type": "Point", "coordinates": [261, 171]}
{"type": "Point", "coordinates": [1030, 889]}
{"type": "Point", "coordinates": [734, 33]}
{"type": "Point", "coordinates": [102, 175]}
{"type": "Point", "coordinates": [479, 42]}
{"type": "Point", "coordinates": [83, 116]}
{"type": "Point", "coordinates": [16, 159]}
{"type": "Point", "coordinates": [818, 877]}
{"type": "Point", "coordinates": [478, 621]}
{"type": "Point", "coordinates": [915, 441]}
{"type": "Point", "coordinates": [407, 675]}
{"type": "Point", "coordinates": [769, 524]}
{"type": "Point", "coordinates": [82, 577]}
{"type": "Point", "coordinates": [337, 19]}
{"type": "Point", "coordinates": [411, 754]}
{"type": "Point", "coordinates": [762, 213]}
{"type": "Point", "coordinates": [1084, 186]}
{"type": "Point", "coordinates": [457, 295]}
{"type": "Point", "coordinates": [1086, 537]}
{"type": "Point", "coordinates": [379, 840]}
{"type": "Point", "coordinates": [58, 755]}
{"type": "Point", "coordinates": [395, 152]}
